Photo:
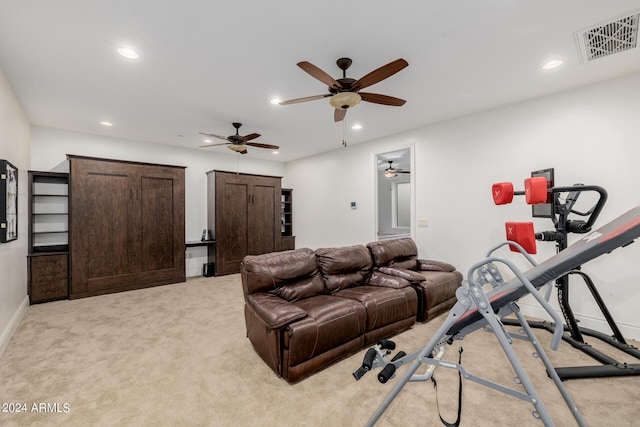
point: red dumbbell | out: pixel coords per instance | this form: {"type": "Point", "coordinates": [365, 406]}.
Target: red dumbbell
{"type": "Point", "coordinates": [535, 191]}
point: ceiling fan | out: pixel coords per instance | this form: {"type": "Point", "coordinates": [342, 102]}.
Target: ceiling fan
{"type": "Point", "coordinates": [237, 142]}
{"type": "Point", "coordinates": [345, 92]}
{"type": "Point", "coordinates": [391, 172]}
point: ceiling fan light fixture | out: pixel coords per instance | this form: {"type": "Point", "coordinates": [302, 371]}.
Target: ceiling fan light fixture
{"type": "Point", "coordinates": [237, 147]}
{"type": "Point", "coordinates": [390, 174]}
{"type": "Point", "coordinates": [345, 100]}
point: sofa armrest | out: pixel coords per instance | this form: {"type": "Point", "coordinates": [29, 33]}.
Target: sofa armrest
{"type": "Point", "coordinates": [379, 279]}
{"type": "Point", "coordinates": [409, 275]}
{"type": "Point", "coordinates": [274, 311]}
{"type": "Point", "coordinates": [429, 265]}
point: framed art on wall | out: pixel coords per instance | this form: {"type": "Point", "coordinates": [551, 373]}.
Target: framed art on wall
{"type": "Point", "coordinates": [8, 202]}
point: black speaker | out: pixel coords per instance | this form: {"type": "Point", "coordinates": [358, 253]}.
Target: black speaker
{"type": "Point", "coordinates": [208, 269]}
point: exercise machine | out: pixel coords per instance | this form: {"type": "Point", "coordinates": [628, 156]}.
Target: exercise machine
{"type": "Point", "coordinates": [561, 210]}
{"type": "Point", "coordinates": [483, 301]}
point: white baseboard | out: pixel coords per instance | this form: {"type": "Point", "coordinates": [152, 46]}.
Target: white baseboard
{"type": "Point", "coordinates": [11, 329]}
{"type": "Point", "coordinates": [595, 323]}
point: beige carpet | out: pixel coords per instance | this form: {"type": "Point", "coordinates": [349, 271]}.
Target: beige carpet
{"type": "Point", "coordinates": [178, 355]}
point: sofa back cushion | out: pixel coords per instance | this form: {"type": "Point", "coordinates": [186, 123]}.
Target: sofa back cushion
{"type": "Point", "coordinates": [398, 253]}
{"type": "Point", "coordinates": [344, 267]}
{"type": "Point", "coordinates": [291, 275]}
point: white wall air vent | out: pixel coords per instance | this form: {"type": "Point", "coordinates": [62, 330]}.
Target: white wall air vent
{"type": "Point", "coordinates": [609, 37]}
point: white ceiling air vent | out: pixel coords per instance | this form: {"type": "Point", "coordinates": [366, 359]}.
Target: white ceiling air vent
{"type": "Point", "coordinates": [607, 38]}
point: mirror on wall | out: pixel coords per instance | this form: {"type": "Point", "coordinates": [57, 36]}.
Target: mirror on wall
{"type": "Point", "coordinates": [393, 175]}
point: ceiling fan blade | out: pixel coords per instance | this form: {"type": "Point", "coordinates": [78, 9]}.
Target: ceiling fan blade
{"type": "Point", "coordinates": [213, 135]}
{"type": "Point", "coordinates": [249, 137]}
{"type": "Point", "coordinates": [380, 74]}
{"type": "Point", "coordinates": [376, 98]}
{"type": "Point", "coordinates": [305, 99]}
{"type": "Point", "coordinates": [318, 74]}
{"type": "Point", "coordinates": [259, 145]}
{"type": "Point", "coordinates": [214, 145]}
{"type": "Point", "coordinates": [339, 114]}
{"type": "Point", "coordinates": [243, 152]}
{"type": "Point", "coordinates": [399, 171]}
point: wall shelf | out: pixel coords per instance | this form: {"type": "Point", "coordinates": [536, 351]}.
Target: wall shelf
{"type": "Point", "coordinates": [48, 252]}
{"type": "Point", "coordinates": [286, 220]}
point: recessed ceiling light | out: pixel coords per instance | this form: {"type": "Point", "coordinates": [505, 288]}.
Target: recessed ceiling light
{"type": "Point", "coordinates": [106, 123]}
{"type": "Point", "coordinates": [275, 152]}
{"type": "Point", "coordinates": [356, 126]}
{"type": "Point", "coordinates": [553, 64]}
{"type": "Point", "coordinates": [128, 52]}
{"type": "Point", "coordinates": [207, 140]}
{"type": "Point", "coordinates": [276, 101]}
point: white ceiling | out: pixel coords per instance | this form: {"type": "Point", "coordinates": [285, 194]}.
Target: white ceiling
{"type": "Point", "coordinates": [205, 64]}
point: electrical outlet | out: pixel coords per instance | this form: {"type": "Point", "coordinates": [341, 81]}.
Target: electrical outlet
{"type": "Point", "coordinates": [423, 223]}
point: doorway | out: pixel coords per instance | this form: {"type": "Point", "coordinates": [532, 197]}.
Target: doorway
{"type": "Point", "coordinates": [394, 194]}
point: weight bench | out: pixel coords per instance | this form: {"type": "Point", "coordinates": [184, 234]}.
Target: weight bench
{"type": "Point", "coordinates": [480, 308]}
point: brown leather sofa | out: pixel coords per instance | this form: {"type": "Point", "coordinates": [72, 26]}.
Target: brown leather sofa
{"type": "Point", "coordinates": [435, 282]}
{"type": "Point", "coordinates": [305, 310]}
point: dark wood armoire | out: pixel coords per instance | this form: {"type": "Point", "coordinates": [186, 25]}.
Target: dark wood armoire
{"type": "Point", "coordinates": [126, 225]}
{"type": "Point", "coordinates": [247, 218]}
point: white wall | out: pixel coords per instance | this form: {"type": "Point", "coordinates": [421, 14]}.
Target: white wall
{"type": "Point", "coordinates": [324, 187]}
{"type": "Point", "coordinates": [14, 146]}
{"type": "Point", "coordinates": [50, 147]}
{"type": "Point", "coordinates": [589, 135]}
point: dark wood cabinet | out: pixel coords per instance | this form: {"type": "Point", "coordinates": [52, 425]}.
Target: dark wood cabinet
{"type": "Point", "coordinates": [247, 218]}
{"type": "Point", "coordinates": [126, 225]}
{"type": "Point", "coordinates": [48, 277]}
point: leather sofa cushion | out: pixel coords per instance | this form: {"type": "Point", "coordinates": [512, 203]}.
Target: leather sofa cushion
{"type": "Point", "coordinates": [380, 279]}
{"type": "Point", "coordinates": [409, 263]}
{"type": "Point", "coordinates": [439, 286]}
{"type": "Point", "coordinates": [402, 252]}
{"type": "Point", "coordinates": [429, 265]}
{"type": "Point", "coordinates": [330, 322]}
{"type": "Point", "coordinates": [384, 305]}
{"type": "Point", "coordinates": [307, 287]}
{"type": "Point", "coordinates": [344, 267]}
{"type": "Point", "coordinates": [287, 270]}
{"type": "Point", "coordinates": [274, 311]}
{"type": "Point", "coordinates": [411, 276]}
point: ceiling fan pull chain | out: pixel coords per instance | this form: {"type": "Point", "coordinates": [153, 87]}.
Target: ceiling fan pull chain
{"type": "Point", "coordinates": [344, 133]}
